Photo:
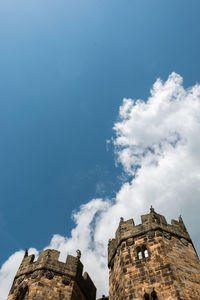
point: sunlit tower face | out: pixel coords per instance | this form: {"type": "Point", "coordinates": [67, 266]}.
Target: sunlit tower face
{"type": "Point", "coordinates": [153, 260]}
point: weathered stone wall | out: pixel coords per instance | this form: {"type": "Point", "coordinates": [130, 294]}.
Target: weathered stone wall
{"type": "Point", "coordinates": [172, 268]}
{"type": "Point", "coordinates": [154, 258]}
{"type": "Point", "coordinates": [185, 267]}
{"type": "Point", "coordinates": [41, 287]}
{"type": "Point", "coordinates": [48, 278]}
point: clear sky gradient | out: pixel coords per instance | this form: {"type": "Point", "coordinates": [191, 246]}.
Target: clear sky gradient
{"type": "Point", "coordinates": [65, 66]}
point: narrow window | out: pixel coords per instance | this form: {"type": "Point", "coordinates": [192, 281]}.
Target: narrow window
{"type": "Point", "coordinates": [154, 296]}
{"type": "Point", "coordinates": [140, 254]}
{"type": "Point", "coordinates": [145, 251]}
{"type": "Point", "coordinates": [146, 296]}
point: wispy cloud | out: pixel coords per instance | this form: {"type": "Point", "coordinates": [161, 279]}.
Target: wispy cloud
{"type": "Point", "coordinates": [157, 142]}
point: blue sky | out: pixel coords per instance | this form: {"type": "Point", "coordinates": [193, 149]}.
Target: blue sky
{"type": "Point", "coordinates": [65, 67]}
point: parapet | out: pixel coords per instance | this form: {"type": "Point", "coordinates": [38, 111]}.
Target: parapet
{"type": "Point", "coordinates": [152, 221]}
{"type": "Point", "coordinates": [72, 268]}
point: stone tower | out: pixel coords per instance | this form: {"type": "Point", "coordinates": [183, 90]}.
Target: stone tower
{"type": "Point", "coordinates": [48, 278]}
{"type": "Point", "coordinates": [153, 260]}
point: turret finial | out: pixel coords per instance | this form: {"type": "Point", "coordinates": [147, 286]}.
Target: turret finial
{"type": "Point", "coordinates": [78, 254]}
{"type": "Point", "coordinates": [180, 219]}
{"type": "Point", "coordinates": [26, 252]}
{"type": "Point", "coordinates": [152, 209]}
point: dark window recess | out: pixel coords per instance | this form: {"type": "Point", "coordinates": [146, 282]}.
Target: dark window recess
{"type": "Point", "coordinates": [145, 252]}
{"type": "Point", "coordinates": [138, 250]}
{"type": "Point", "coordinates": [146, 296]}
{"type": "Point", "coordinates": [154, 296]}
{"type": "Point", "coordinates": [22, 293]}
{"type": "Point", "coordinates": [142, 252]}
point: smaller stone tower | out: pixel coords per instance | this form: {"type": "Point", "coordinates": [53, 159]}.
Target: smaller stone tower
{"type": "Point", "coordinates": [153, 260]}
{"type": "Point", "coordinates": [48, 278]}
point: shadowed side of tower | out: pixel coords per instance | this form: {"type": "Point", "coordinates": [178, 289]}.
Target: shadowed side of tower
{"type": "Point", "coordinates": [153, 260]}
{"type": "Point", "coordinates": [48, 278]}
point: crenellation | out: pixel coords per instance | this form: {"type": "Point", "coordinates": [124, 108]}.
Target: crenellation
{"type": "Point", "coordinates": [151, 260]}
{"type": "Point", "coordinates": [48, 255]}
{"type": "Point", "coordinates": [152, 221]}
{"type": "Point", "coordinates": [48, 259]}
{"type": "Point", "coordinates": [47, 268]}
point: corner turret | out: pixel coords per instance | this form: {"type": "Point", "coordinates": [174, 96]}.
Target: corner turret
{"type": "Point", "coordinates": [47, 275]}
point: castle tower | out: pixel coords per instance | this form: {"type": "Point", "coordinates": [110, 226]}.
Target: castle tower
{"type": "Point", "coordinates": [48, 278]}
{"type": "Point", "coordinates": [153, 260]}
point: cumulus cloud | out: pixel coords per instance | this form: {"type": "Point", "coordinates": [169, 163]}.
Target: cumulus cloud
{"type": "Point", "coordinates": [157, 142]}
{"type": "Point", "coordinates": [83, 238]}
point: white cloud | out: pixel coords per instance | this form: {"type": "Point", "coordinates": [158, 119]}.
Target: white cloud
{"type": "Point", "coordinates": [157, 142]}
{"type": "Point", "coordinates": [83, 238]}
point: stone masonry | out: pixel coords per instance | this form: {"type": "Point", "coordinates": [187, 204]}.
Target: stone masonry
{"type": "Point", "coordinates": [153, 260]}
{"type": "Point", "coordinates": [48, 278]}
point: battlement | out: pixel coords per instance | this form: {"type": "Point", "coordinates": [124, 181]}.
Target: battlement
{"type": "Point", "coordinates": [72, 269]}
{"type": "Point", "coordinates": [149, 222]}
